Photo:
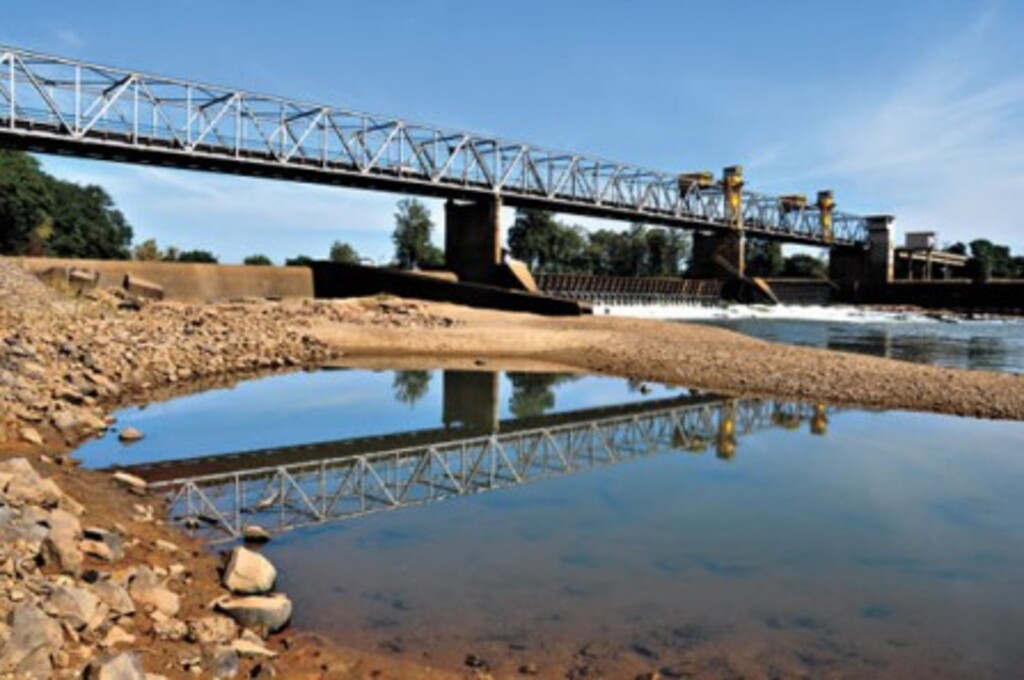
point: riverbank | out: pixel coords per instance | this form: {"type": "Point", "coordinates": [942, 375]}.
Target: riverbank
{"type": "Point", "coordinates": [696, 356]}
{"type": "Point", "coordinates": [66, 364]}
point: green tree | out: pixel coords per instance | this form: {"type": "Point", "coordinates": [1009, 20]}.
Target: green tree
{"type": "Point", "coordinates": [25, 203]}
{"type": "Point", "coordinates": [805, 266]}
{"type": "Point", "coordinates": [410, 386]}
{"type": "Point", "coordinates": [343, 253]}
{"type": "Point", "coordinates": [86, 224]}
{"type": "Point", "coordinates": [258, 260]}
{"type": "Point", "coordinates": [41, 215]}
{"type": "Point", "coordinates": [147, 251]}
{"type": "Point", "coordinates": [764, 257]}
{"type": "Point", "coordinates": [413, 228]}
{"type": "Point", "coordinates": [299, 261]}
{"type": "Point", "coordinates": [200, 256]}
{"type": "Point", "coordinates": [991, 260]}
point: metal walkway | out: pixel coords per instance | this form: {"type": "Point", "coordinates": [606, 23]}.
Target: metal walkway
{"type": "Point", "coordinates": [284, 497]}
{"type": "Point", "coordinates": [58, 105]}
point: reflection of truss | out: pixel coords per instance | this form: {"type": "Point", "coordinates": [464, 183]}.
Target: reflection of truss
{"type": "Point", "coordinates": [55, 104]}
{"type": "Point", "coordinates": [289, 496]}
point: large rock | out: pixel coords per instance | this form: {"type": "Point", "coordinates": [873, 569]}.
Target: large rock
{"type": "Point", "coordinates": [124, 666]}
{"type": "Point", "coordinates": [60, 548]}
{"type": "Point", "coordinates": [249, 573]}
{"type": "Point", "coordinates": [222, 663]}
{"type": "Point", "coordinates": [129, 435]}
{"type": "Point", "coordinates": [267, 612]}
{"type": "Point", "coordinates": [34, 636]}
{"type": "Point", "coordinates": [77, 607]}
{"type": "Point", "coordinates": [103, 544]}
{"type": "Point", "coordinates": [131, 482]}
{"type": "Point", "coordinates": [213, 629]}
{"type": "Point", "coordinates": [115, 597]}
{"type": "Point", "coordinates": [25, 486]}
{"type": "Point", "coordinates": [147, 590]}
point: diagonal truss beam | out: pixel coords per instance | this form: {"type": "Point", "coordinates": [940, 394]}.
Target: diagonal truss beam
{"type": "Point", "coordinates": [41, 98]}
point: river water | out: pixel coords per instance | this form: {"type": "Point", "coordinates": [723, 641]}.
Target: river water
{"type": "Point", "coordinates": [981, 345]}
{"type": "Point", "coordinates": [748, 539]}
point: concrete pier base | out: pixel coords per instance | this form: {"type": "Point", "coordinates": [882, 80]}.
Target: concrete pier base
{"type": "Point", "coordinates": [718, 254]}
{"type": "Point", "coordinates": [472, 239]}
{"type": "Point", "coordinates": [854, 269]}
{"type": "Point", "coordinates": [471, 401]}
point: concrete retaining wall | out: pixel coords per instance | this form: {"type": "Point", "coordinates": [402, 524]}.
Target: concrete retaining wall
{"type": "Point", "coordinates": [992, 296]}
{"type": "Point", "coordinates": [191, 282]}
{"type": "Point", "coordinates": [336, 280]}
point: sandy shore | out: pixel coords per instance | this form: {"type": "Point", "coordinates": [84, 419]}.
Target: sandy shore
{"type": "Point", "coordinates": [692, 355]}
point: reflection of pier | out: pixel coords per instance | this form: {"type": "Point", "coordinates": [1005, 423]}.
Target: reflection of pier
{"type": "Point", "coordinates": [287, 488]}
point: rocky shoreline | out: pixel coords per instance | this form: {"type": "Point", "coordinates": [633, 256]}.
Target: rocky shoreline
{"type": "Point", "coordinates": [93, 583]}
{"type": "Point", "coordinates": [78, 597]}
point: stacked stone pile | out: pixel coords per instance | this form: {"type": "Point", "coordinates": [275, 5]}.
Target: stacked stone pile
{"type": "Point", "coordinates": [63, 364]}
{"type": "Point", "coordinates": [84, 601]}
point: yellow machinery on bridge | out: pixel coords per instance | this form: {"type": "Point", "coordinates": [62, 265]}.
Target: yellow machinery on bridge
{"type": "Point", "coordinates": [792, 203]}
{"type": "Point", "coordinates": [826, 204]}
{"type": "Point", "coordinates": [732, 189]}
{"type": "Point", "coordinates": [695, 180]}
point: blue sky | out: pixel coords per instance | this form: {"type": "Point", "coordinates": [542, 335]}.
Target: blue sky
{"type": "Point", "coordinates": [909, 108]}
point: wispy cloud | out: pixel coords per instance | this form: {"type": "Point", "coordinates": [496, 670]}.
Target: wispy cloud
{"type": "Point", "coordinates": [69, 38]}
{"type": "Point", "coordinates": [943, 148]}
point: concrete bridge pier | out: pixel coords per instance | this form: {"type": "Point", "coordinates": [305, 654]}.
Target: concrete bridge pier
{"type": "Point", "coordinates": [718, 254]}
{"type": "Point", "coordinates": [472, 239]}
{"type": "Point", "coordinates": [471, 401]}
{"type": "Point", "coordinates": [857, 268]}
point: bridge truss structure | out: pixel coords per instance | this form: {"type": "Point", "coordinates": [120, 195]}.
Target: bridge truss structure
{"type": "Point", "coordinates": [58, 105]}
{"type": "Point", "coordinates": [280, 498]}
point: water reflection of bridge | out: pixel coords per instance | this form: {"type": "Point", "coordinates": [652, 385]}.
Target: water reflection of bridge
{"type": "Point", "coordinates": [288, 487]}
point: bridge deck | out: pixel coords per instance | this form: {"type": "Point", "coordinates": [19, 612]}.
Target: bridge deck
{"type": "Point", "coordinates": [59, 105]}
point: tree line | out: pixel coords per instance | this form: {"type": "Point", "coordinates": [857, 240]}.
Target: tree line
{"type": "Point", "coordinates": [989, 260]}
{"type": "Point", "coordinates": [41, 215]}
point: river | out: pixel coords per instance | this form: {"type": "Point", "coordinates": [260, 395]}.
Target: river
{"type": "Point", "coordinates": [689, 534]}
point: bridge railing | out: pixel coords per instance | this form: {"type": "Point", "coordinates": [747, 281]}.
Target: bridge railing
{"type": "Point", "coordinates": [104, 111]}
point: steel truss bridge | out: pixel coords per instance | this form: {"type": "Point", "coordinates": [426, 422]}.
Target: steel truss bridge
{"type": "Point", "coordinates": [287, 496]}
{"type": "Point", "coordinates": [58, 105]}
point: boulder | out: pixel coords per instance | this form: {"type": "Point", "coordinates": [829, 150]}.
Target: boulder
{"type": "Point", "coordinates": [254, 533]}
{"type": "Point", "coordinates": [130, 482]}
{"type": "Point", "coordinates": [103, 544]}
{"type": "Point", "coordinates": [147, 590]}
{"type": "Point", "coordinates": [213, 629]}
{"type": "Point", "coordinates": [130, 434]}
{"type": "Point", "coordinates": [124, 666]}
{"type": "Point", "coordinates": [77, 607]}
{"type": "Point", "coordinates": [249, 649]}
{"type": "Point", "coordinates": [267, 612]}
{"type": "Point", "coordinates": [115, 597]}
{"type": "Point", "coordinates": [249, 573]}
{"type": "Point", "coordinates": [31, 435]}
{"type": "Point", "coordinates": [34, 636]}
{"type": "Point", "coordinates": [117, 636]}
{"type": "Point", "coordinates": [60, 548]}
{"type": "Point", "coordinates": [25, 486]}
{"type": "Point", "coordinates": [222, 662]}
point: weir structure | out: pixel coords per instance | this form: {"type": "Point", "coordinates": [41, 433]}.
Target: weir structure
{"type": "Point", "coordinates": [57, 105]}
{"type": "Point", "coordinates": [289, 487]}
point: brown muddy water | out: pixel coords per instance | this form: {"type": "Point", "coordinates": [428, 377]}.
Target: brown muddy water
{"type": "Point", "coordinates": [703, 537]}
